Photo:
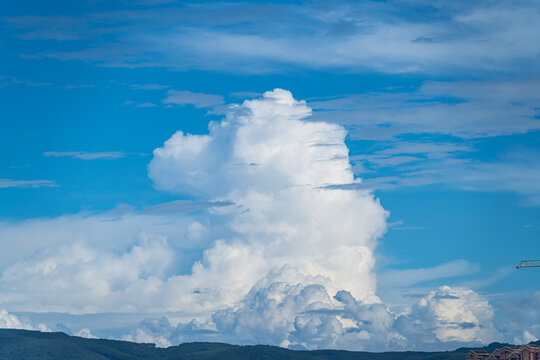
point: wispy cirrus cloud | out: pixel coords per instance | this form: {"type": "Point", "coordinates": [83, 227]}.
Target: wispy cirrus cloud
{"type": "Point", "coordinates": [6, 81]}
{"type": "Point", "coordinates": [439, 38]}
{"type": "Point", "coordinates": [85, 155]}
{"type": "Point", "coordinates": [146, 105]}
{"type": "Point", "coordinates": [515, 172]}
{"type": "Point", "coordinates": [407, 277]}
{"type": "Point", "coordinates": [181, 206]}
{"type": "Point", "coordinates": [9, 183]}
{"type": "Point", "coordinates": [434, 135]}
{"type": "Point", "coordinates": [149, 86]}
{"type": "Point", "coordinates": [199, 100]}
{"type": "Point", "coordinates": [463, 109]}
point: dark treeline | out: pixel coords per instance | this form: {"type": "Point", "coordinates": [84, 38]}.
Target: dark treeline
{"type": "Point", "coordinates": [35, 345]}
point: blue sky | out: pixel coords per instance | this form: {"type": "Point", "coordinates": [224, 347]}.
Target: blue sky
{"type": "Point", "coordinates": [440, 104]}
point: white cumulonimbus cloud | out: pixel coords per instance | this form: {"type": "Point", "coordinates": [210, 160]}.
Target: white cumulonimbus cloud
{"type": "Point", "coordinates": [275, 166]}
{"type": "Point", "coordinates": [283, 254]}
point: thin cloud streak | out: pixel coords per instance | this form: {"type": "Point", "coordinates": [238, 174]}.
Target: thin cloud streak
{"type": "Point", "coordinates": [199, 100]}
{"type": "Point", "coordinates": [9, 183]}
{"type": "Point", "coordinates": [84, 155]}
{"type": "Point", "coordinates": [181, 206]}
{"type": "Point", "coordinates": [407, 277]}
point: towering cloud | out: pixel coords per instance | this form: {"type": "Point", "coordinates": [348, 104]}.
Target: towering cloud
{"type": "Point", "coordinates": [275, 167]}
{"type": "Point", "coordinates": [281, 253]}
{"type": "Point", "coordinates": [297, 270]}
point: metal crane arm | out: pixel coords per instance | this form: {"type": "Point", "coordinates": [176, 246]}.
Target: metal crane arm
{"type": "Point", "coordinates": [528, 264]}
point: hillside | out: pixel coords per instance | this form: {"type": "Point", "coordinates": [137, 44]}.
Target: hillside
{"type": "Point", "coordinates": [35, 345]}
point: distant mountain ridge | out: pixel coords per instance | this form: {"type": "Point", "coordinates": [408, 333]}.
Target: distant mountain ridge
{"type": "Point", "coordinates": [35, 345]}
